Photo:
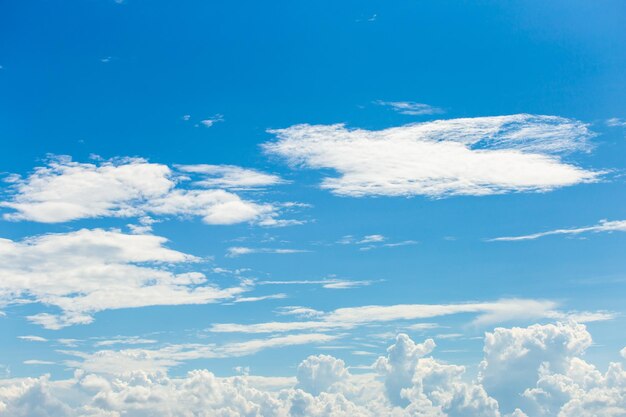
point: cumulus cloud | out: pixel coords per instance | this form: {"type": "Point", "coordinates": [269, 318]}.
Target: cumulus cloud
{"type": "Point", "coordinates": [351, 317]}
{"type": "Point", "coordinates": [411, 382]}
{"type": "Point", "coordinates": [602, 226]}
{"type": "Point", "coordinates": [472, 156]}
{"type": "Point", "coordinates": [90, 270]}
{"type": "Point", "coordinates": [64, 190]}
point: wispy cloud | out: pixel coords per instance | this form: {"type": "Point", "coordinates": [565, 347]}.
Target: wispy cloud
{"type": "Point", "coordinates": [410, 107]}
{"type": "Point", "coordinates": [472, 156]}
{"type": "Point", "coordinates": [235, 251]}
{"type": "Point", "coordinates": [331, 283]}
{"type": "Point", "coordinates": [369, 242]}
{"type": "Point", "coordinates": [33, 338]}
{"type": "Point", "coordinates": [616, 122]}
{"type": "Point", "coordinates": [602, 226]}
{"type": "Point", "coordinates": [486, 313]}
{"type": "Point", "coordinates": [209, 122]}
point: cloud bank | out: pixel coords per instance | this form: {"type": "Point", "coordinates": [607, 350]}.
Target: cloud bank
{"type": "Point", "coordinates": [536, 371]}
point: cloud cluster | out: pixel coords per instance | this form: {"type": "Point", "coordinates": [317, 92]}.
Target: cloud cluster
{"type": "Point", "coordinates": [90, 270]}
{"type": "Point", "coordinates": [471, 156]}
{"type": "Point", "coordinates": [541, 368]}
{"type": "Point", "coordinates": [65, 190]}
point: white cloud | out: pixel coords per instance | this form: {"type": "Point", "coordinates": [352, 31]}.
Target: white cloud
{"type": "Point", "coordinates": [230, 176]}
{"type": "Point", "coordinates": [372, 239]}
{"type": "Point", "coordinates": [474, 156]}
{"type": "Point", "coordinates": [540, 364]}
{"type": "Point", "coordinates": [120, 362]}
{"type": "Point", "coordinates": [330, 283]}
{"type": "Point", "coordinates": [410, 108]}
{"type": "Point", "coordinates": [616, 122]}
{"type": "Point", "coordinates": [37, 362]}
{"type": "Point", "coordinates": [83, 272]}
{"type": "Point", "coordinates": [513, 357]}
{"type": "Point", "coordinates": [124, 340]}
{"type": "Point", "coordinates": [31, 338]}
{"type": "Point", "coordinates": [602, 226]}
{"type": "Point", "coordinates": [212, 120]}
{"type": "Point", "coordinates": [235, 251]}
{"type": "Point", "coordinates": [65, 190]}
{"type": "Point", "coordinates": [347, 318]}
{"type": "Point", "coordinates": [278, 296]}
{"type": "Point", "coordinates": [375, 241]}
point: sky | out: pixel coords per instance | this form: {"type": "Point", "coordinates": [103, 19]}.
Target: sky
{"type": "Point", "coordinates": [296, 208]}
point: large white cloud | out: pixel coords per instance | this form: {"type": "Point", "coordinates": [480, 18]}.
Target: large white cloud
{"type": "Point", "coordinates": [87, 271]}
{"type": "Point", "coordinates": [472, 156]}
{"type": "Point", "coordinates": [419, 384]}
{"type": "Point", "coordinates": [64, 190]}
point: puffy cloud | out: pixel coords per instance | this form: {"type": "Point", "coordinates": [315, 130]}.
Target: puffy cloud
{"type": "Point", "coordinates": [472, 156]}
{"type": "Point", "coordinates": [399, 365]}
{"type": "Point", "coordinates": [132, 187]}
{"type": "Point", "coordinates": [414, 384]}
{"type": "Point", "coordinates": [514, 357]}
{"type": "Point", "coordinates": [87, 271]}
{"type": "Point", "coordinates": [317, 374]}
{"type": "Point", "coordinates": [602, 226]}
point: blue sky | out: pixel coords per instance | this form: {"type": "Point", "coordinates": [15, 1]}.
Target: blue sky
{"type": "Point", "coordinates": [172, 168]}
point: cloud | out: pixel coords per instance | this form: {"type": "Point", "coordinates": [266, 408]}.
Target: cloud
{"type": "Point", "coordinates": [473, 156]}
{"type": "Point", "coordinates": [235, 251]}
{"type": "Point", "coordinates": [541, 365]}
{"type": "Point", "coordinates": [331, 283]}
{"type": "Point", "coordinates": [124, 340]}
{"type": "Point", "coordinates": [37, 362]}
{"type": "Point", "coordinates": [33, 338]}
{"type": "Point", "coordinates": [410, 108]}
{"type": "Point", "coordinates": [121, 362]}
{"type": "Point", "coordinates": [602, 226]}
{"type": "Point", "coordinates": [64, 190]}
{"type": "Point", "coordinates": [91, 270]}
{"type": "Point", "coordinates": [347, 318]}
{"type": "Point", "coordinates": [514, 358]}
{"type": "Point", "coordinates": [278, 296]}
{"type": "Point", "coordinates": [375, 241]}
{"type": "Point", "coordinates": [230, 176]}
{"type": "Point", "coordinates": [212, 120]}
{"type": "Point", "coordinates": [616, 122]}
